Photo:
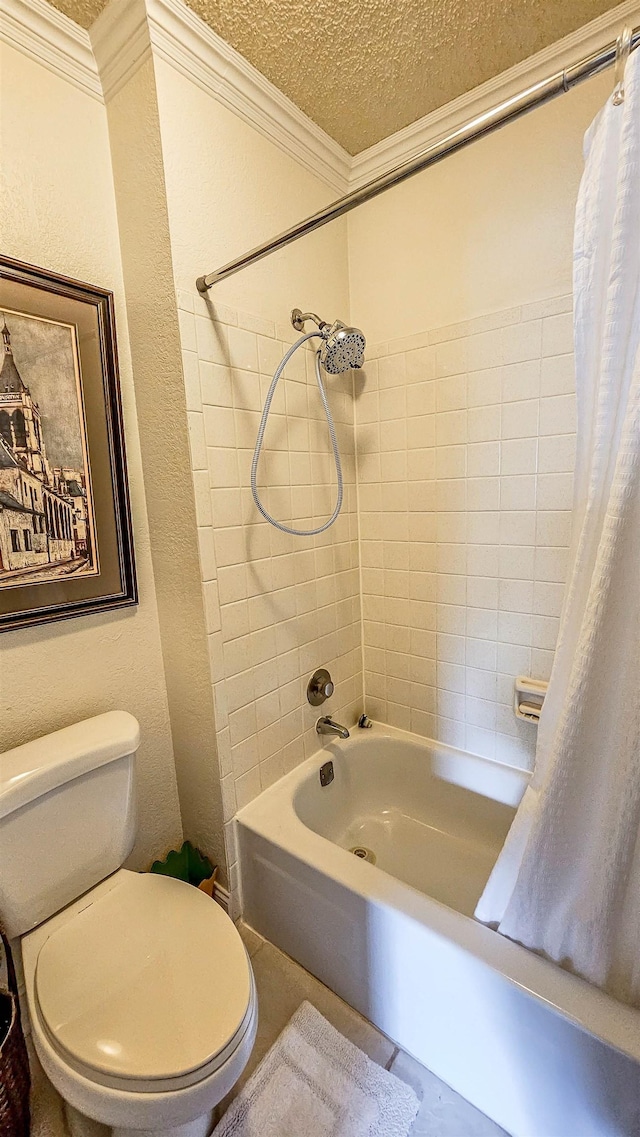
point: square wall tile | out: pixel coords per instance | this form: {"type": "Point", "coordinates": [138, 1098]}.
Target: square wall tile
{"type": "Point", "coordinates": [456, 525]}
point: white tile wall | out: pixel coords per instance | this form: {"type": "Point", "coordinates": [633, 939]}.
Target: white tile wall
{"type": "Point", "coordinates": [277, 607]}
{"type": "Point", "coordinates": [448, 560]}
{"type": "Point", "coordinates": [465, 443]}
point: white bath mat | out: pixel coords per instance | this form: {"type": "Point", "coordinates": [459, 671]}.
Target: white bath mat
{"type": "Point", "coordinates": [315, 1083]}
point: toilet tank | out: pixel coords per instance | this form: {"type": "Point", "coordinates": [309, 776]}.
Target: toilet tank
{"type": "Point", "coordinates": [67, 816]}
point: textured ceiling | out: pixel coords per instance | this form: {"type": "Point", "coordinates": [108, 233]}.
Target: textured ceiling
{"type": "Point", "coordinates": [363, 69]}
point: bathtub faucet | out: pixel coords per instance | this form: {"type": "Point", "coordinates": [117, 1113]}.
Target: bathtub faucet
{"type": "Point", "coordinates": [326, 725]}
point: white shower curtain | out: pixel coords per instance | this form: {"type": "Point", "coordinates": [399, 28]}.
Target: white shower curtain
{"type": "Point", "coordinates": [567, 882]}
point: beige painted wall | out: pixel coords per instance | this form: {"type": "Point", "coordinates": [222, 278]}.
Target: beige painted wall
{"type": "Point", "coordinates": [276, 607]}
{"type": "Point", "coordinates": [462, 279]}
{"type": "Point", "coordinates": [57, 209]}
{"type": "Point", "coordinates": [228, 189]}
{"type": "Point", "coordinates": [485, 229]}
{"type": "Point", "coordinates": [155, 345]}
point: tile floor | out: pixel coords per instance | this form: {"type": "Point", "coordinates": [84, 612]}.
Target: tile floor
{"type": "Point", "coordinates": [282, 986]}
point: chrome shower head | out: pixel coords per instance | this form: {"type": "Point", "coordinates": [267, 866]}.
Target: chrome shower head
{"type": "Point", "coordinates": [342, 348]}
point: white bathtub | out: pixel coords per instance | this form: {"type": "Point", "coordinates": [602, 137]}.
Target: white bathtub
{"type": "Point", "coordinates": [541, 1052]}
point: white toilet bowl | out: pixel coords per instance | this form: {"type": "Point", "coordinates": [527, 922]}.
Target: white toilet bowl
{"type": "Point", "coordinates": [143, 1005]}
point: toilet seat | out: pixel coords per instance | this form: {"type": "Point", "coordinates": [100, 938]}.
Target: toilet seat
{"type": "Point", "coordinates": [147, 988]}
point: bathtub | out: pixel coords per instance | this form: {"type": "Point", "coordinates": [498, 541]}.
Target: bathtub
{"type": "Point", "coordinates": [538, 1050]}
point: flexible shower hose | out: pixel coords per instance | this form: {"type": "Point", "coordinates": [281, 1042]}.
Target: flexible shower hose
{"type": "Point", "coordinates": [260, 439]}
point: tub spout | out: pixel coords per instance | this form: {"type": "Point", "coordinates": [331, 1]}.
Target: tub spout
{"type": "Point", "coordinates": [326, 725]}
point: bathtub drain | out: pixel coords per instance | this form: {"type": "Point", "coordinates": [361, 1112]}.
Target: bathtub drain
{"type": "Point", "coordinates": [363, 853]}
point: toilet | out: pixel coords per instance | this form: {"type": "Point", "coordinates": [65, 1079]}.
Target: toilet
{"type": "Point", "coordinates": [140, 992]}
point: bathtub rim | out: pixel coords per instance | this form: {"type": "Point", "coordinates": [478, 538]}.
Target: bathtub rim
{"type": "Point", "coordinates": [272, 817]}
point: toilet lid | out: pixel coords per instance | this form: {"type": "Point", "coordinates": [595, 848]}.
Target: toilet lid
{"type": "Point", "coordinates": [151, 980]}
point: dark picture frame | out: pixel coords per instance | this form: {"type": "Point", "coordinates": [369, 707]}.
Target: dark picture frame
{"type": "Point", "coordinates": [66, 537]}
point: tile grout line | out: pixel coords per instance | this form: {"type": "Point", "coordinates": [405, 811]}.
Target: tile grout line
{"type": "Point", "coordinates": [359, 539]}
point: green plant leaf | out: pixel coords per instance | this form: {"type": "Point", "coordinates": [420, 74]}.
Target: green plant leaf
{"type": "Point", "coordinates": [186, 863]}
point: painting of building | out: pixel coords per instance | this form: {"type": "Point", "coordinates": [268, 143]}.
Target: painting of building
{"type": "Point", "coordinates": [46, 518]}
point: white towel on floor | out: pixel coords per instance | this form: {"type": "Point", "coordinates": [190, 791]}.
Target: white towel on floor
{"type": "Point", "coordinates": [315, 1083]}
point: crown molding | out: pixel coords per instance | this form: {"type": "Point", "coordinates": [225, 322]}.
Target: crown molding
{"type": "Point", "coordinates": [128, 30]}
{"type": "Point", "coordinates": [50, 38]}
{"type": "Point", "coordinates": [120, 42]}
{"type": "Point", "coordinates": [407, 143]}
{"type": "Point", "coordinates": [181, 38]}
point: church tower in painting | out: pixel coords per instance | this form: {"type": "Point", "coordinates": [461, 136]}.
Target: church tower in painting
{"type": "Point", "coordinates": [20, 425]}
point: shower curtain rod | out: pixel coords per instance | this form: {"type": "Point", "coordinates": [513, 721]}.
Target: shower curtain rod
{"type": "Point", "coordinates": [517, 105]}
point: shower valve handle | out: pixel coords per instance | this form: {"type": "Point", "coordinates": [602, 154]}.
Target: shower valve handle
{"type": "Point", "coordinates": [320, 687]}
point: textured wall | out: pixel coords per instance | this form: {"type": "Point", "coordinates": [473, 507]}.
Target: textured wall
{"type": "Point", "coordinates": [363, 69]}
{"type": "Point", "coordinates": [276, 607]}
{"type": "Point", "coordinates": [488, 228]}
{"type": "Point", "coordinates": [229, 188]}
{"type": "Point", "coordinates": [155, 346]}
{"type": "Point", "coordinates": [57, 209]}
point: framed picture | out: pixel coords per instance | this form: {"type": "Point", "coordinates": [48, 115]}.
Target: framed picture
{"type": "Point", "coordinates": [66, 544]}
